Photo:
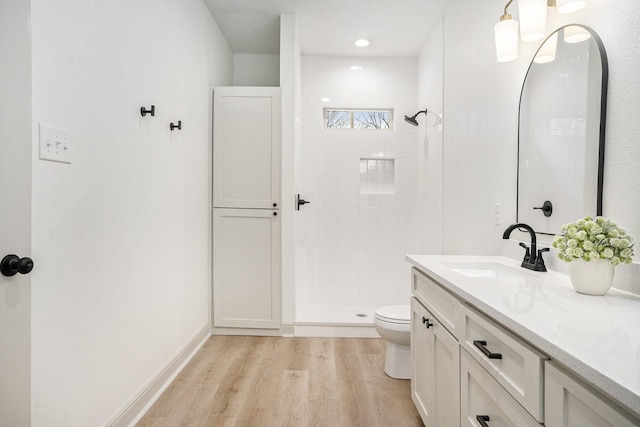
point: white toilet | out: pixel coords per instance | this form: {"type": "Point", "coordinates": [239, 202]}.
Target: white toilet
{"type": "Point", "coordinates": [393, 323]}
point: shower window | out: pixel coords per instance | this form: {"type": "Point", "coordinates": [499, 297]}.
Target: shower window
{"type": "Point", "coordinates": [369, 119]}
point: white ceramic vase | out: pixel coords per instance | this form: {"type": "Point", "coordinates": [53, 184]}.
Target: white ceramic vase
{"type": "Point", "coordinates": [591, 277]}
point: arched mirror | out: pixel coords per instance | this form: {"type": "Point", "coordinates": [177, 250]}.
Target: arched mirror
{"type": "Point", "coordinates": [561, 130]}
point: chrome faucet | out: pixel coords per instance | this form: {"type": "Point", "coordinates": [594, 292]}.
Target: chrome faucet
{"type": "Point", "coordinates": [532, 257]}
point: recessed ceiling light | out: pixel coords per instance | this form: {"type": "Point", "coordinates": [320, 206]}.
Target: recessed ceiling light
{"type": "Point", "coordinates": [325, 100]}
{"type": "Point", "coordinates": [355, 68]}
{"type": "Point", "coordinates": [362, 43]}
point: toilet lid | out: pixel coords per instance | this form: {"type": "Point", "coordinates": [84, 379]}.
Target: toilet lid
{"type": "Point", "coordinates": [394, 313]}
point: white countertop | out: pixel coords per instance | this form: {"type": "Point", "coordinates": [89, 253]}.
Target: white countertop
{"type": "Point", "coordinates": [598, 337]}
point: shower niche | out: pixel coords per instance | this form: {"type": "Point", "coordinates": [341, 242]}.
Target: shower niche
{"type": "Point", "coordinates": [377, 176]}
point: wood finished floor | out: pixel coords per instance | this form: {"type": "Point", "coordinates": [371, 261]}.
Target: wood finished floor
{"type": "Point", "coordinates": [274, 381]}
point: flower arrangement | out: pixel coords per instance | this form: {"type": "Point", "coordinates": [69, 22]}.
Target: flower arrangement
{"type": "Point", "coordinates": [594, 238]}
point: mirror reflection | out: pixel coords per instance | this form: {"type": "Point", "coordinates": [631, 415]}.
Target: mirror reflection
{"type": "Point", "coordinates": [561, 131]}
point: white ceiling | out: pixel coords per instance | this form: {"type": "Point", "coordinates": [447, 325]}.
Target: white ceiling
{"type": "Point", "coordinates": [328, 27]}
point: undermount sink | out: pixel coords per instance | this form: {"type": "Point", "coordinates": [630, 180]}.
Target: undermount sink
{"type": "Point", "coordinates": [486, 269]}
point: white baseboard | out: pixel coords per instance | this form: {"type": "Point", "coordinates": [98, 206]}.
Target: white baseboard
{"type": "Point", "coordinates": [288, 329]}
{"type": "Point", "coordinates": [141, 403]}
{"type": "Point", "coordinates": [256, 332]}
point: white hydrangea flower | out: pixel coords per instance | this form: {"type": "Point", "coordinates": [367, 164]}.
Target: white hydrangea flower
{"type": "Point", "coordinates": [592, 239]}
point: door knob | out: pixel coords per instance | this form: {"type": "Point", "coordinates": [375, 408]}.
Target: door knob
{"type": "Point", "coordinates": [13, 264]}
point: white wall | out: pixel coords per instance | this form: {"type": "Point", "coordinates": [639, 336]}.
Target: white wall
{"type": "Point", "coordinates": [121, 235]}
{"type": "Point", "coordinates": [256, 70]}
{"type": "Point", "coordinates": [481, 112]}
{"type": "Point", "coordinates": [350, 247]}
{"type": "Point", "coordinates": [290, 59]}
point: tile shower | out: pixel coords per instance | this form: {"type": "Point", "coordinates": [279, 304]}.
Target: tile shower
{"type": "Point", "coordinates": [350, 242]}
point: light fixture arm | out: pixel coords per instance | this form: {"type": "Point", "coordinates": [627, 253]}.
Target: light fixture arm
{"type": "Point", "coordinates": [506, 13]}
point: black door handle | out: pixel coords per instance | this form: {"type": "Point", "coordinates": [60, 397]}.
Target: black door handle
{"type": "Point", "coordinates": [13, 264]}
{"type": "Point", "coordinates": [300, 202]}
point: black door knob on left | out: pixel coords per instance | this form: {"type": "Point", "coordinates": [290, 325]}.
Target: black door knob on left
{"type": "Point", "coordinates": [13, 264]}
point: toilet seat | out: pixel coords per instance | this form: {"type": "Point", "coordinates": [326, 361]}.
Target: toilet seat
{"type": "Point", "coordinates": [399, 314]}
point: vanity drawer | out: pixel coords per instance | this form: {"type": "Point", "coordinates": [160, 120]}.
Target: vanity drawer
{"type": "Point", "coordinates": [483, 397]}
{"type": "Point", "coordinates": [517, 366]}
{"type": "Point", "coordinates": [444, 306]}
{"type": "Point", "coordinates": [569, 402]}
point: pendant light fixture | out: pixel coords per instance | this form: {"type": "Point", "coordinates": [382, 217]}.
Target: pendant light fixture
{"type": "Point", "coordinates": [533, 19]}
{"type": "Point", "coordinates": [506, 34]}
{"type": "Point", "coordinates": [532, 26]}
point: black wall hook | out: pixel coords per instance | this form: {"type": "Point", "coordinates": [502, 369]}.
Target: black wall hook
{"type": "Point", "coordinates": [173, 126]}
{"type": "Point", "coordinates": [144, 111]}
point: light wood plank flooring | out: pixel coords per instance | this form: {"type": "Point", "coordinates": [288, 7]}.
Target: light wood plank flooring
{"type": "Point", "coordinates": [274, 381]}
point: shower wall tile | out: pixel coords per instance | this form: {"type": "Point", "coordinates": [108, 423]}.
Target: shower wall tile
{"type": "Point", "coordinates": [351, 244]}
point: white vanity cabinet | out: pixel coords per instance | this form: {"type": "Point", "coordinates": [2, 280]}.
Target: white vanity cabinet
{"type": "Point", "coordinates": [519, 368]}
{"type": "Point", "coordinates": [435, 361]}
{"type": "Point", "coordinates": [444, 331]}
{"type": "Point", "coordinates": [470, 369]}
{"type": "Point", "coordinates": [571, 403]}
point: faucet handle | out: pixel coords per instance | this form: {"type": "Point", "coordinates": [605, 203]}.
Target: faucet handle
{"type": "Point", "coordinates": [539, 266]}
{"type": "Point", "coordinates": [527, 254]}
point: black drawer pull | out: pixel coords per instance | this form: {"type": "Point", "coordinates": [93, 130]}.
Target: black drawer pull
{"type": "Point", "coordinates": [482, 346]}
{"type": "Point", "coordinates": [426, 322]}
{"type": "Point", "coordinates": [482, 419]}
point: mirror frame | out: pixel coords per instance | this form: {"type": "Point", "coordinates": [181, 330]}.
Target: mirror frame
{"type": "Point", "coordinates": [603, 118]}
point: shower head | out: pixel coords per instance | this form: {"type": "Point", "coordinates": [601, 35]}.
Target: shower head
{"type": "Point", "coordinates": [412, 119]}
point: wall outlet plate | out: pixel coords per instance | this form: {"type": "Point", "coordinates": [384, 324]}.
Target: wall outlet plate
{"type": "Point", "coordinates": [55, 144]}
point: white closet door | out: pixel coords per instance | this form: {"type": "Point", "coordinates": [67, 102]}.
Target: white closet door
{"type": "Point", "coordinates": [246, 268]}
{"type": "Point", "coordinates": [15, 212]}
{"type": "Point", "coordinates": [246, 147]}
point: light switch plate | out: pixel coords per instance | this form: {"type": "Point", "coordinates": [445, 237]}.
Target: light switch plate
{"type": "Point", "coordinates": [55, 144]}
